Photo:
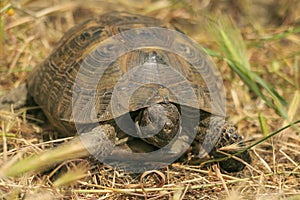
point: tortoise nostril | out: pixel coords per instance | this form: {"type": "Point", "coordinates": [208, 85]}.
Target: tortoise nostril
{"type": "Point", "coordinates": [167, 130]}
{"type": "Point", "coordinates": [168, 127]}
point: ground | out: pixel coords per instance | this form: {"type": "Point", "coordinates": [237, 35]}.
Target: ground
{"type": "Point", "coordinates": [260, 103]}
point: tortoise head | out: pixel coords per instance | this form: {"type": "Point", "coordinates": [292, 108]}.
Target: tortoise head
{"type": "Point", "coordinates": [158, 124]}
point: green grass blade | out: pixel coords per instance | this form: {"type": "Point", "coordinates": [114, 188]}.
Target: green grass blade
{"type": "Point", "coordinates": [233, 48]}
{"type": "Point", "coordinates": [263, 124]}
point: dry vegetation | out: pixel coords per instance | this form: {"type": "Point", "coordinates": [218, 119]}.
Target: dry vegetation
{"type": "Point", "coordinates": [29, 29]}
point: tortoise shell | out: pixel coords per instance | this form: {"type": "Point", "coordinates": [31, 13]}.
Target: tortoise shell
{"type": "Point", "coordinates": [52, 83]}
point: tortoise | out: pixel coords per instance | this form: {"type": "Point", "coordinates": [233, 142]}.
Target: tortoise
{"type": "Point", "coordinates": [154, 108]}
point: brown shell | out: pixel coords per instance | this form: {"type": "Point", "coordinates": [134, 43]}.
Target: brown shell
{"type": "Point", "coordinates": [52, 82]}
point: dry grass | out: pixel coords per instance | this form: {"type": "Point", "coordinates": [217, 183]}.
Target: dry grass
{"type": "Point", "coordinates": [270, 31]}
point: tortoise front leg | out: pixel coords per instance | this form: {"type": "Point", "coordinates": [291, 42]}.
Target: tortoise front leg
{"type": "Point", "coordinates": [101, 141]}
{"type": "Point", "coordinates": [216, 135]}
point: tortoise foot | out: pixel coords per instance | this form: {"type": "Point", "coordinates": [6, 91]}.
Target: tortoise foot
{"type": "Point", "coordinates": [231, 142]}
